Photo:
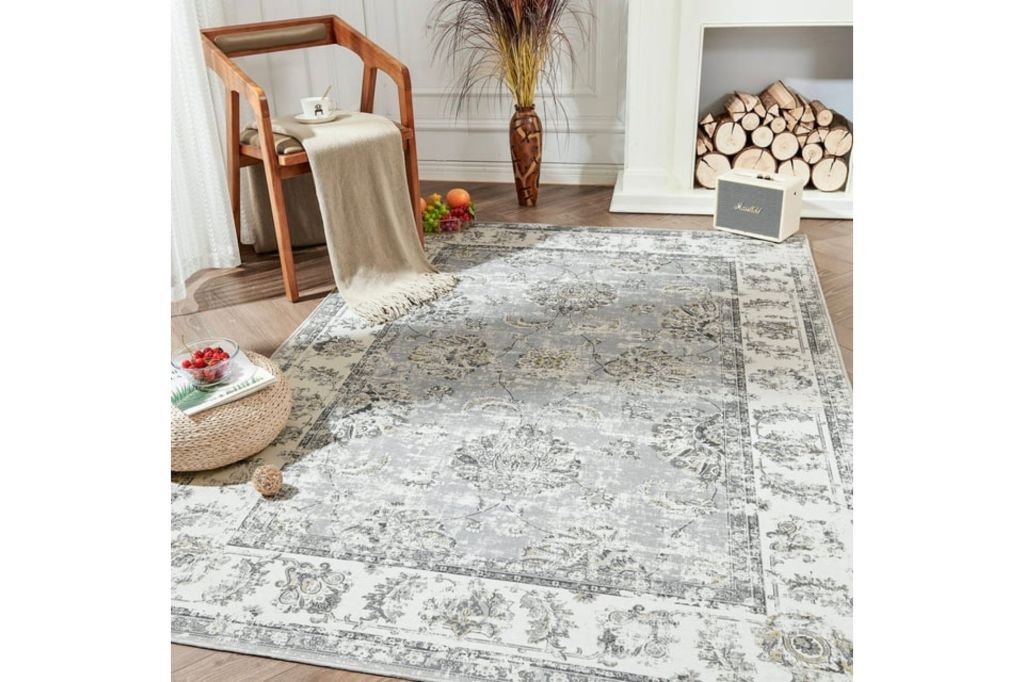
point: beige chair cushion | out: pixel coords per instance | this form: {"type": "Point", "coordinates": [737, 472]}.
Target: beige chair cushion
{"type": "Point", "coordinates": [230, 43]}
{"type": "Point", "coordinates": [285, 144]}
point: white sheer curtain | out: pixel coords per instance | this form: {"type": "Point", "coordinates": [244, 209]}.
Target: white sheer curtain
{"type": "Point", "coordinates": [202, 230]}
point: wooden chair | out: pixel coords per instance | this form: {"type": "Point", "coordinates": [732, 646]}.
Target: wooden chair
{"type": "Point", "coordinates": [220, 45]}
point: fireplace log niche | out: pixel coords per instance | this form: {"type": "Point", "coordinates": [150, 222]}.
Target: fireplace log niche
{"type": "Point", "coordinates": [687, 59]}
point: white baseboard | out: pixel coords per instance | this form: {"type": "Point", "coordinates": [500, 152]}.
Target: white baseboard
{"type": "Point", "coordinates": [501, 171]}
{"type": "Point", "coordinates": [833, 205]}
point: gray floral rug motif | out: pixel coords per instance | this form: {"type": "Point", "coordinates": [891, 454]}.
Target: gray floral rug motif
{"type": "Point", "coordinates": [609, 454]}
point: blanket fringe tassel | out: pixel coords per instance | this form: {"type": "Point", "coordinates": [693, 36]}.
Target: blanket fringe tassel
{"type": "Point", "coordinates": [401, 299]}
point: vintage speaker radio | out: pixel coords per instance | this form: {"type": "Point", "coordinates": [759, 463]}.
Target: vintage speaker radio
{"type": "Point", "coordinates": [758, 204]}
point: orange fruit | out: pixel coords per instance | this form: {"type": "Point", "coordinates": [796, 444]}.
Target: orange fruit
{"type": "Point", "coordinates": [423, 204]}
{"type": "Point", "coordinates": [458, 198]}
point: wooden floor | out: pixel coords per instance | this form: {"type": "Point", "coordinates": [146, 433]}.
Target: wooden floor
{"type": "Point", "coordinates": [247, 304]}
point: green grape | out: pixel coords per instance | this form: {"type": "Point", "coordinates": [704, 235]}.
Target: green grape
{"type": "Point", "coordinates": [430, 220]}
{"type": "Point", "coordinates": [432, 216]}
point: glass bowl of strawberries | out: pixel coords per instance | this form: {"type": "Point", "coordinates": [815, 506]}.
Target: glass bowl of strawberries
{"type": "Point", "coordinates": [206, 362]}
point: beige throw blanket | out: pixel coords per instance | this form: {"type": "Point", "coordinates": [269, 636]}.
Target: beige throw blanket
{"type": "Point", "coordinates": [358, 170]}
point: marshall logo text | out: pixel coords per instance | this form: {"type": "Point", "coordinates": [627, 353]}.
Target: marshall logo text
{"type": "Point", "coordinates": [756, 210]}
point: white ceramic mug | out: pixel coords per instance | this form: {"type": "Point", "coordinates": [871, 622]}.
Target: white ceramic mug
{"type": "Point", "coordinates": [317, 107]}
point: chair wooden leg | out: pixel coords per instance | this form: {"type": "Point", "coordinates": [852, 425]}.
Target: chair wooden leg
{"type": "Point", "coordinates": [284, 237]}
{"type": "Point", "coordinates": [234, 162]}
{"type": "Point", "coordinates": [412, 174]}
{"type": "Point", "coordinates": [277, 208]}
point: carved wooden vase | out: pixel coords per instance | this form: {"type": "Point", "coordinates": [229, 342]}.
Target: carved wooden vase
{"type": "Point", "coordinates": [525, 137]}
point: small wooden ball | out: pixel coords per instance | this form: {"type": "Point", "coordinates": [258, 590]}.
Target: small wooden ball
{"type": "Point", "coordinates": [267, 480]}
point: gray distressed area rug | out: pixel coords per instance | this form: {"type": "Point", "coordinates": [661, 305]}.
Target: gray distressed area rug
{"type": "Point", "coordinates": [606, 455]}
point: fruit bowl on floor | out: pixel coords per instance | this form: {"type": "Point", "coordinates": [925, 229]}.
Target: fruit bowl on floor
{"type": "Point", "coordinates": [450, 214]}
{"type": "Point", "coordinates": [207, 362]}
{"type": "Point", "coordinates": [450, 224]}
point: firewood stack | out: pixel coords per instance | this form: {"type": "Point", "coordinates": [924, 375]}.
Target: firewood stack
{"type": "Point", "coordinates": [778, 131]}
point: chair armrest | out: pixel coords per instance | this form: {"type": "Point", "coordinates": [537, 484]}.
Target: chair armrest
{"type": "Point", "coordinates": [375, 58]}
{"type": "Point", "coordinates": [404, 85]}
{"type": "Point", "coordinates": [233, 77]}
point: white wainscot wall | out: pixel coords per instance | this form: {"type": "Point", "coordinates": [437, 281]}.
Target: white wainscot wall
{"type": "Point", "coordinates": [473, 147]}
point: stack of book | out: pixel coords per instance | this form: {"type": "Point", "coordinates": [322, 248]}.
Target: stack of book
{"type": "Point", "coordinates": [244, 378]}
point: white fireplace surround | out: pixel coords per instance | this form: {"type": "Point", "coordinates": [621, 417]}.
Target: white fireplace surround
{"type": "Point", "coordinates": [665, 46]}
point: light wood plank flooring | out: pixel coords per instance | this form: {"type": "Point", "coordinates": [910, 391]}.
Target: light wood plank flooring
{"type": "Point", "coordinates": [247, 304]}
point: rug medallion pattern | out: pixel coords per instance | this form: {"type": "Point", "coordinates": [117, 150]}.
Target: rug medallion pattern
{"type": "Point", "coordinates": [607, 455]}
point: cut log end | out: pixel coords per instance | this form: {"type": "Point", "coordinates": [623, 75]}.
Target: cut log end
{"type": "Point", "coordinates": [817, 136]}
{"type": "Point", "coordinates": [750, 102]}
{"type": "Point", "coordinates": [709, 167]}
{"type": "Point", "coordinates": [735, 105]}
{"type": "Point", "coordinates": [785, 146]}
{"type": "Point", "coordinates": [704, 144]}
{"type": "Point", "coordinates": [778, 93]}
{"type": "Point", "coordinates": [755, 158]}
{"type": "Point", "coordinates": [822, 115]}
{"type": "Point", "coordinates": [796, 167]}
{"type": "Point", "coordinates": [762, 136]}
{"type": "Point", "coordinates": [730, 137]}
{"type": "Point", "coordinates": [707, 124]}
{"type": "Point", "coordinates": [750, 121]}
{"type": "Point", "coordinates": [838, 142]}
{"type": "Point", "coordinates": [829, 174]}
{"type": "Point", "coordinates": [812, 153]}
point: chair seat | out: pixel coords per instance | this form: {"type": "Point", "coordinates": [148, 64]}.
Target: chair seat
{"type": "Point", "coordinates": [285, 144]}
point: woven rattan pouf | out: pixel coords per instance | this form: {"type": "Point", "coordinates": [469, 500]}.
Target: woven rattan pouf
{"type": "Point", "coordinates": [231, 432]}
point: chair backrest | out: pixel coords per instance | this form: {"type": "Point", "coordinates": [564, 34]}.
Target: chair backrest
{"type": "Point", "coordinates": [221, 45]}
{"type": "Point", "coordinates": [275, 38]}
{"type": "Point", "coordinates": [272, 36]}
